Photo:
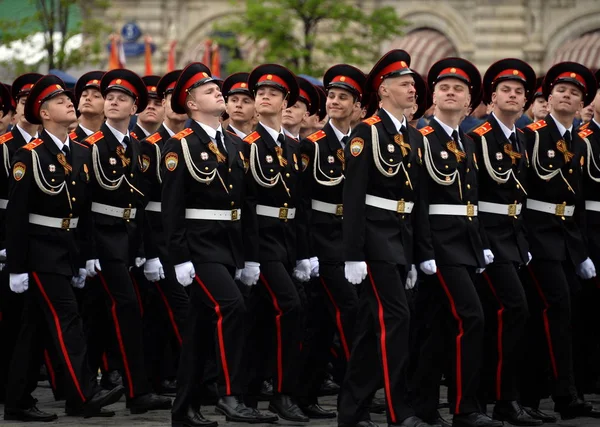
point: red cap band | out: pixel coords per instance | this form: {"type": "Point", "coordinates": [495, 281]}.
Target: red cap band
{"type": "Point", "coordinates": [170, 87]}
{"type": "Point", "coordinates": [151, 90]}
{"type": "Point", "coordinates": [239, 85]}
{"type": "Point", "coordinates": [93, 83]}
{"type": "Point", "coordinates": [275, 79]}
{"type": "Point", "coordinates": [45, 94]}
{"type": "Point", "coordinates": [191, 82]}
{"type": "Point", "coordinates": [511, 73]}
{"type": "Point", "coordinates": [348, 81]}
{"type": "Point", "coordinates": [123, 83]}
{"type": "Point", "coordinates": [392, 68]}
{"type": "Point", "coordinates": [449, 72]}
{"type": "Point", "coordinates": [571, 76]}
{"type": "Point", "coordinates": [304, 97]}
{"type": "Point", "coordinates": [25, 89]}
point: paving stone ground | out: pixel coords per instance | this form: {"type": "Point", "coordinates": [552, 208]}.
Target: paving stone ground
{"type": "Point", "coordinates": [163, 418]}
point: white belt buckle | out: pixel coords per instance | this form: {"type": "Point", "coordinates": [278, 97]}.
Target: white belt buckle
{"type": "Point", "coordinates": [127, 213]}
{"type": "Point", "coordinates": [401, 206]}
{"type": "Point", "coordinates": [512, 209]}
{"type": "Point", "coordinates": [234, 215]}
{"type": "Point", "coordinates": [559, 210]}
{"type": "Point", "coordinates": [283, 213]}
{"type": "Point", "coordinates": [65, 224]}
{"type": "Point", "coordinates": [339, 210]}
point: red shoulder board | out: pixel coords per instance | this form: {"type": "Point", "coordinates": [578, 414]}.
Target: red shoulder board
{"type": "Point", "coordinates": [537, 125]}
{"type": "Point", "coordinates": [426, 130]}
{"type": "Point", "coordinates": [520, 130]}
{"type": "Point", "coordinates": [250, 139]}
{"type": "Point", "coordinates": [183, 133]}
{"type": "Point", "coordinates": [154, 138]}
{"type": "Point", "coordinates": [320, 134]}
{"type": "Point", "coordinates": [79, 143]}
{"type": "Point", "coordinates": [6, 137]}
{"type": "Point", "coordinates": [132, 133]}
{"type": "Point", "coordinates": [372, 120]}
{"type": "Point", "coordinates": [483, 129]}
{"type": "Point", "coordinates": [73, 135]}
{"type": "Point", "coordinates": [584, 126]}
{"type": "Point", "coordinates": [33, 144]}
{"type": "Point", "coordinates": [93, 138]}
{"type": "Point", "coordinates": [232, 133]}
{"type": "Point", "coordinates": [585, 133]}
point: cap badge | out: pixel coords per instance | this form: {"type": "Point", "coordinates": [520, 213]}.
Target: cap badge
{"type": "Point", "coordinates": [403, 64]}
{"type": "Point", "coordinates": [515, 72]}
{"type": "Point", "coordinates": [342, 79]}
{"type": "Point", "coordinates": [243, 84]}
{"type": "Point", "coordinates": [573, 75]}
{"type": "Point", "coordinates": [269, 77]}
{"type": "Point", "coordinates": [453, 70]}
{"type": "Point", "coordinates": [118, 81]}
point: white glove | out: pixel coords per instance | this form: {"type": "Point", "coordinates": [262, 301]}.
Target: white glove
{"type": "Point", "coordinates": [488, 256]}
{"type": "Point", "coordinates": [185, 273]}
{"type": "Point", "coordinates": [19, 282]}
{"type": "Point", "coordinates": [92, 266]}
{"type": "Point", "coordinates": [153, 270]}
{"type": "Point", "coordinates": [79, 280]}
{"type": "Point", "coordinates": [139, 261]}
{"type": "Point", "coordinates": [411, 278]}
{"type": "Point", "coordinates": [302, 270]}
{"type": "Point", "coordinates": [238, 273]}
{"type": "Point", "coordinates": [428, 267]}
{"type": "Point", "coordinates": [355, 271]}
{"type": "Point", "coordinates": [479, 270]}
{"type": "Point", "coordinates": [528, 258]}
{"type": "Point", "coordinates": [250, 273]}
{"type": "Point", "coordinates": [314, 267]}
{"type": "Point", "coordinates": [586, 270]}
{"type": "Point", "coordinates": [2, 255]}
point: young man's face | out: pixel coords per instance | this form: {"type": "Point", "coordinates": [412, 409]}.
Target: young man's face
{"type": "Point", "coordinates": [340, 104]}
{"type": "Point", "coordinates": [5, 121]}
{"type": "Point", "coordinates": [451, 95]}
{"type": "Point", "coordinates": [91, 102]}
{"type": "Point", "coordinates": [399, 91]}
{"type": "Point", "coordinates": [20, 110]}
{"type": "Point", "coordinates": [240, 108]}
{"type": "Point", "coordinates": [118, 105]}
{"type": "Point", "coordinates": [587, 113]}
{"type": "Point", "coordinates": [294, 115]}
{"type": "Point", "coordinates": [565, 98]}
{"type": "Point", "coordinates": [509, 97]}
{"type": "Point", "coordinates": [169, 113]}
{"type": "Point", "coordinates": [539, 108]}
{"type": "Point", "coordinates": [206, 99]}
{"type": "Point", "coordinates": [154, 113]}
{"type": "Point", "coordinates": [596, 105]}
{"type": "Point", "coordinates": [269, 101]}
{"type": "Point", "coordinates": [59, 109]}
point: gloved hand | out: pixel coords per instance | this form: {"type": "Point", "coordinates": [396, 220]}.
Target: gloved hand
{"type": "Point", "coordinates": [2, 255]}
{"type": "Point", "coordinates": [139, 261]}
{"type": "Point", "coordinates": [302, 270]}
{"type": "Point", "coordinates": [19, 282]}
{"type": "Point", "coordinates": [428, 267]}
{"type": "Point", "coordinates": [91, 265]}
{"type": "Point", "coordinates": [79, 280]}
{"type": "Point", "coordinates": [528, 258]}
{"type": "Point", "coordinates": [479, 270]}
{"type": "Point", "coordinates": [411, 278]}
{"type": "Point", "coordinates": [488, 256]}
{"type": "Point", "coordinates": [314, 267]}
{"type": "Point", "coordinates": [153, 270]}
{"type": "Point", "coordinates": [355, 271]}
{"type": "Point", "coordinates": [238, 274]}
{"type": "Point", "coordinates": [586, 270]}
{"type": "Point", "coordinates": [250, 273]}
{"type": "Point", "coordinates": [185, 273]}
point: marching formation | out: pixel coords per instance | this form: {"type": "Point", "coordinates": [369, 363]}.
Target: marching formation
{"type": "Point", "coordinates": [262, 238]}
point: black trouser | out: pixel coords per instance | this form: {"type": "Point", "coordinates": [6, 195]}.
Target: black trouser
{"type": "Point", "coordinates": [506, 313]}
{"type": "Point", "coordinates": [50, 306]}
{"type": "Point", "coordinates": [11, 310]}
{"type": "Point", "coordinates": [456, 313]}
{"type": "Point", "coordinates": [586, 335]}
{"type": "Point", "coordinates": [380, 340]}
{"type": "Point", "coordinates": [216, 318]}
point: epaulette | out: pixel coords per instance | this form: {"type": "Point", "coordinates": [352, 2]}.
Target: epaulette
{"type": "Point", "coordinates": [483, 129]}
{"type": "Point", "coordinates": [585, 133]}
{"type": "Point", "coordinates": [6, 137]}
{"type": "Point", "coordinates": [183, 133]}
{"type": "Point", "coordinates": [372, 120]}
{"type": "Point", "coordinates": [73, 135]}
{"type": "Point", "coordinates": [36, 142]}
{"type": "Point", "coordinates": [93, 138]}
{"type": "Point", "coordinates": [537, 125]}
{"type": "Point", "coordinates": [132, 133]}
{"type": "Point", "coordinates": [79, 143]}
{"type": "Point", "coordinates": [584, 126]}
{"type": "Point", "coordinates": [426, 130]}
{"type": "Point", "coordinates": [314, 137]}
{"type": "Point", "coordinates": [154, 138]}
{"type": "Point", "coordinates": [250, 139]}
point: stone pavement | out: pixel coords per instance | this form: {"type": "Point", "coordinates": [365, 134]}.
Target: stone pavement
{"type": "Point", "coordinates": [163, 418]}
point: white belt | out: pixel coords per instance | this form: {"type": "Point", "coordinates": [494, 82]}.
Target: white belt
{"type": "Point", "coordinates": [591, 205]}
{"type": "Point", "coordinates": [153, 207]}
{"type": "Point", "coordinates": [281, 213]}
{"type": "Point", "coordinates": [398, 206]}
{"type": "Point", "coordinates": [48, 221]}
{"type": "Point", "coordinates": [214, 214]}
{"type": "Point", "coordinates": [513, 209]}
{"type": "Point", "coordinates": [550, 208]}
{"type": "Point", "coordinates": [3, 203]}
{"type": "Point", "coordinates": [330, 208]}
{"type": "Point", "coordinates": [461, 210]}
{"type": "Point", "coordinates": [125, 213]}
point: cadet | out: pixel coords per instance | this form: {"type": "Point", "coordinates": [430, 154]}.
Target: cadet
{"type": "Point", "coordinates": [149, 120]}
{"type": "Point", "coordinates": [240, 104]}
{"type": "Point", "coordinates": [90, 105]}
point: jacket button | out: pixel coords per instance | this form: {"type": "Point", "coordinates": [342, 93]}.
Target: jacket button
{"type": "Point", "coordinates": [468, 170]}
{"type": "Point", "coordinates": [73, 183]}
{"type": "Point", "coordinates": [230, 186]}
{"type": "Point", "coordinates": [70, 215]}
{"type": "Point", "coordinates": [130, 205]}
{"type": "Point", "coordinates": [131, 175]}
{"type": "Point", "coordinates": [229, 170]}
{"type": "Point", "coordinates": [271, 170]}
{"type": "Point", "coordinates": [52, 180]}
{"type": "Point", "coordinates": [287, 175]}
{"type": "Point", "coordinates": [570, 170]}
{"type": "Point", "coordinates": [550, 166]}
{"type": "Point", "coordinates": [206, 168]}
{"type": "Point", "coordinates": [73, 199]}
{"type": "Point", "coordinates": [285, 205]}
{"type": "Point", "coordinates": [518, 186]}
{"type": "Point", "coordinates": [468, 186]}
{"type": "Point", "coordinates": [446, 166]}
{"type": "Point", "coordinates": [408, 165]}
{"type": "Point", "coordinates": [131, 190]}
{"type": "Point", "coordinates": [114, 172]}
{"type": "Point", "coordinates": [232, 203]}
{"type": "Point", "coordinates": [331, 171]}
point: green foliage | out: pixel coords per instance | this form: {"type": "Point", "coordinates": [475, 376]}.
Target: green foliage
{"type": "Point", "coordinates": [309, 35]}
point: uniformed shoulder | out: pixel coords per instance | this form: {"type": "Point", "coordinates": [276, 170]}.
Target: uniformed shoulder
{"type": "Point", "coordinates": [79, 143]}
{"type": "Point", "coordinates": [33, 144]}
{"type": "Point", "coordinates": [426, 130]}
{"type": "Point", "coordinates": [584, 126]}
{"type": "Point", "coordinates": [6, 137]}
{"type": "Point", "coordinates": [584, 133]}
{"type": "Point", "coordinates": [183, 133]}
{"type": "Point", "coordinates": [537, 125]}
{"type": "Point", "coordinates": [372, 120]}
{"type": "Point", "coordinates": [252, 138]}
{"type": "Point", "coordinates": [154, 138]}
{"type": "Point", "coordinates": [132, 133]}
{"type": "Point", "coordinates": [73, 135]}
{"type": "Point", "coordinates": [520, 130]}
{"type": "Point", "coordinates": [314, 137]}
{"type": "Point", "coordinates": [483, 129]}
{"type": "Point", "coordinates": [93, 138]}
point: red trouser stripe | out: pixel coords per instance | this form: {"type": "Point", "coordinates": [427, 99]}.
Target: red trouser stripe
{"type": "Point", "coordinates": [170, 312]}
{"type": "Point", "coordinates": [61, 339]}
{"type": "Point", "coordinates": [113, 311]}
{"type": "Point", "coordinates": [382, 343]}
{"type": "Point", "coordinates": [278, 315]}
{"type": "Point", "coordinates": [546, 320]}
{"type": "Point", "coordinates": [105, 362]}
{"type": "Point", "coordinates": [50, 369]}
{"type": "Point", "coordinates": [220, 334]}
{"type": "Point", "coordinates": [458, 342]}
{"type": "Point", "coordinates": [338, 321]}
{"type": "Point", "coordinates": [499, 314]}
{"type": "Point", "coordinates": [136, 288]}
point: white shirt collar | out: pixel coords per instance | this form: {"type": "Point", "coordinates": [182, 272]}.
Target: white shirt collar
{"type": "Point", "coordinates": [146, 133]}
{"type": "Point", "coordinates": [169, 131]}
{"type": "Point", "coordinates": [291, 135]}
{"type": "Point", "coordinates": [86, 130]}
{"type": "Point", "coordinates": [117, 133]}
{"type": "Point", "coordinates": [338, 133]}
{"type": "Point", "coordinates": [397, 124]}
{"type": "Point", "coordinates": [25, 135]}
{"type": "Point", "coordinates": [447, 128]}
{"type": "Point", "coordinates": [561, 128]}
{"type": "Point", "coordinates": [595, 121]}
{"type": "Point", "coordinates": [273, 133]}
{"type": "Point", "coordinates": [507, 132]}
{"type": "Point", "coordinates": [211, 132]}
{"type": "Point", "coordinates": [238, 132]}
{"type": "Point", "coordinates": [60, 144]}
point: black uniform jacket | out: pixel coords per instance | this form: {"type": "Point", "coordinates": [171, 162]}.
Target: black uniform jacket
{"type": "Point", "coordinates": [78, 134]}
{"type": "Point", "coordinates": [555, 237]}
{"type": "Point", "coordinates": [198, 240]}
{"type": "Point", "coordinates": [372, 233]}
{"type": "Point", "coordinates": [590, 133]}
{"type": "Point", "coordinates": [275, 239]}
{"type": "Point", "coordinates": [454, 239]}
{"type": "Point", "coordinates": [57, 193]}
{"type": "Point", "coordinates": [506, 234]}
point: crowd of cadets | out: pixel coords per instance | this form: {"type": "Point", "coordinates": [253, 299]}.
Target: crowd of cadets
{"type": "Point", "coordinates": [263, 238]}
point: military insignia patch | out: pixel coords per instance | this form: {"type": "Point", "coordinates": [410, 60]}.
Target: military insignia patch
{"type": "Point", "coordinates": [356, 146]}
{"type": "Point", "coordinates": [391, 148]}
{"type": "Point", "coordinates": [171, 161]}
{"type": "Point", "coordinates": [499, 156]}
{"type": "Point", "coordinates": [87, 172]}
{"type": "Point", "coordinates": [145, 163]}
{"type": "Point", "coordinates": [112, 161]}
{"type": "Point", "coordinates": [269, 159]}
{"type": "Point", "coordinates": [444, 155]}
{"type": "Point", "coordinates": [52, 168]}
{"type": "Point", "coordinates": [330, 159]}
{"type": "Point", "coordinates": [204, 155]}
{"type": "Point", "coordinates": [305, 161]}
{"type": "Point", "coordinates": [340, 155]}
{"type": "Point", "coordinates": [551, 154]}
{"type": "Point", "coordinates": [19, 171]}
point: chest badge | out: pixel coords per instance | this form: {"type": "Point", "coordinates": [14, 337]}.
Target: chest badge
{"type": "Point", "coordinates": [499, 156]}
{"type": "Point", "coordinates": [391, 148]}
{"type": "Point", "coordinates": [551, 154]}
{"type": "Point", "coordinates": [52, 168]}
{"type": "Point", "coordinates": [145, 163]}
{"type": "Point", "coordinates": [330, 159]}
{"type": "Point", "coordinates": [204, 155]}
{"type": "Point", "coordinates": [269, 158]}
{"type": "Point", "coordinates": [444, 155]}
{"type": "Point", "coordinates": [112, 161]}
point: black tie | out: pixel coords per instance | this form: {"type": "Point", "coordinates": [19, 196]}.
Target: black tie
{"type": "Point", "coordinates": [567, 138]}
{"type": "Point", "coordinates": [281, 140]}
{"type": "Point", "coordinates": [67, 152]}
{"type": "Point", "coordinates": [220, 143]}
{"type": "Point", "coordinates": [455, 138]}
{"type": "Point", "coordinates": [513, 140]}
{"type": "Point", "coordinates": [344, 140]}
{"type": "Point", "coordinates": [126, 141]}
